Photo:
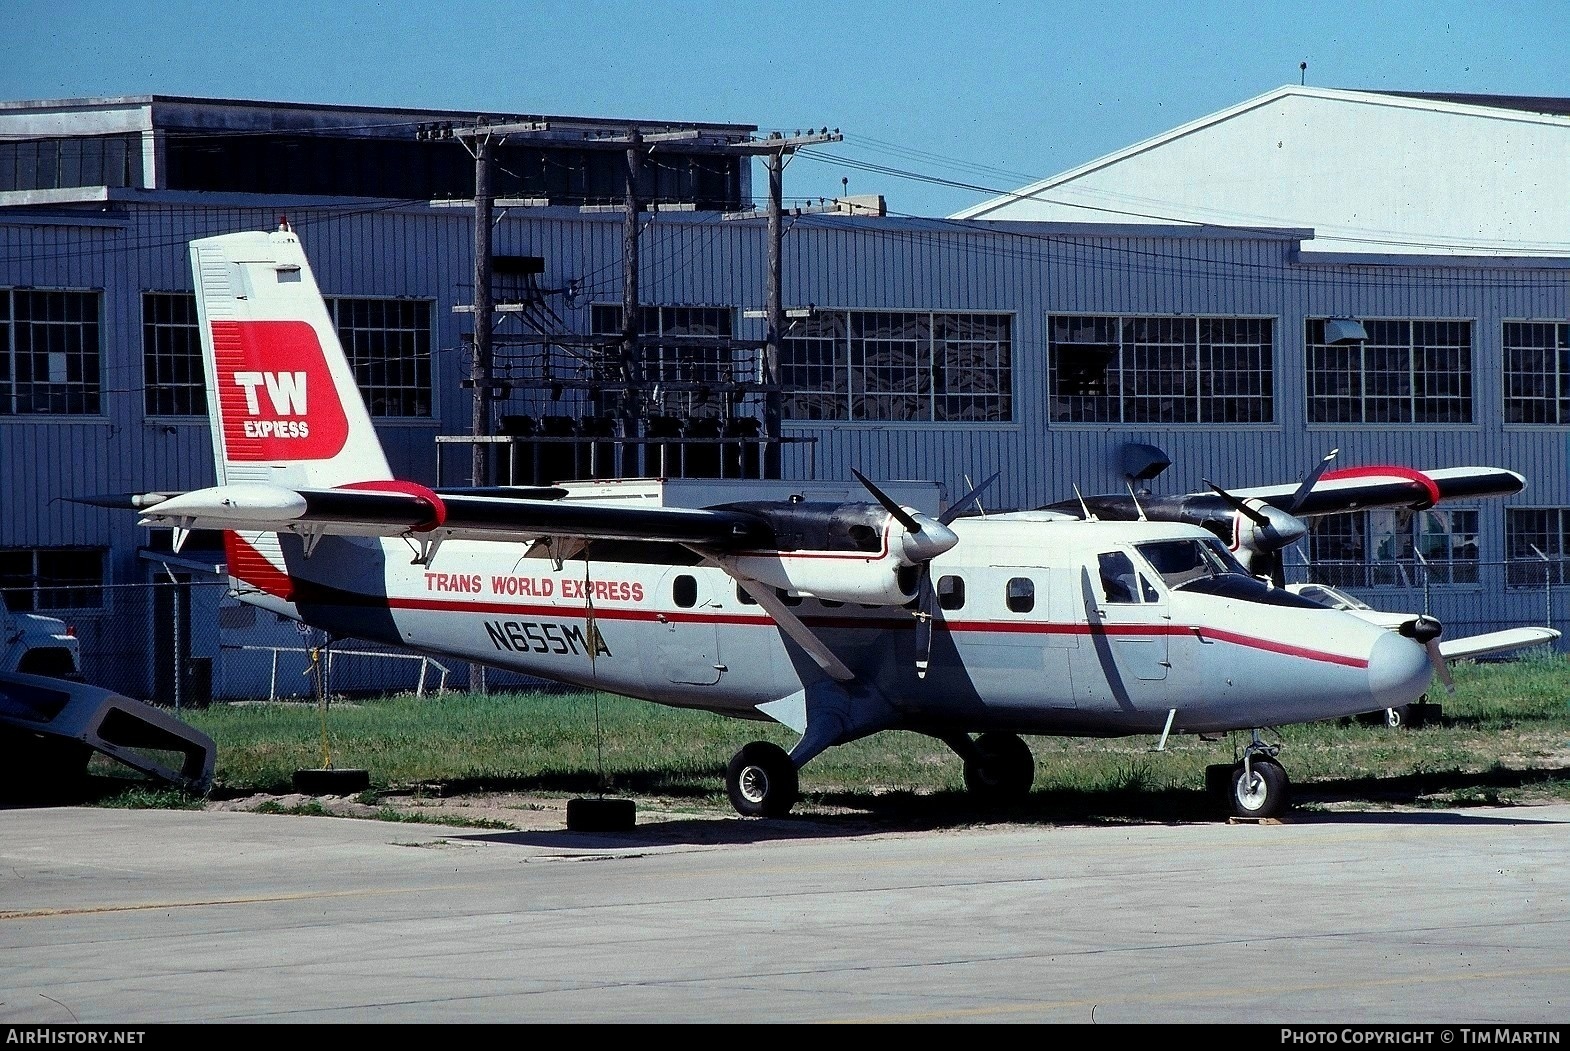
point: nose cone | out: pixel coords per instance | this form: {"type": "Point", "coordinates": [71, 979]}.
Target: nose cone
{"type": "Point", "coordinates": [1399, 671]}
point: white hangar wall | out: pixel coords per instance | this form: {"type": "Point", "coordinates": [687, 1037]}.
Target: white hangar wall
{"type": "Point", "coordinates": [1368, 171]}
{"type": "Point", "coordinates": [136, 243]}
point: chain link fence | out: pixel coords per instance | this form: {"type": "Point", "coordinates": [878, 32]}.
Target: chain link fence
{"type": "Point", "coordinates": [185, 644]}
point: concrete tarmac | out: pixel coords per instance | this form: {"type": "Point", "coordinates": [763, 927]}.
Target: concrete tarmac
{"type": "Point", "coordinates": [1455, 917]}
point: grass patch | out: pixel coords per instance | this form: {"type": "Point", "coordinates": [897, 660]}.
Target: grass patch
{"type": "Point", "coordinates": [1505, 735]}
{"type": "Point", "coordinates": [141, 797]}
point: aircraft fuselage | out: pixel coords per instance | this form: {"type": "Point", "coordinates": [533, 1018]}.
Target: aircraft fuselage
{"type": "Point", "coordinates": [1027, 638]}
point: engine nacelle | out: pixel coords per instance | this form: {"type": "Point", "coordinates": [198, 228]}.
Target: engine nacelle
{"type": "Point", "coordinates": [884, 580]}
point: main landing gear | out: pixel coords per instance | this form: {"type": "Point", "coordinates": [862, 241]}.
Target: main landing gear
{"type": "Point", "coordinates": [1255, 786]}
{"type": "Point", "coordinates": [762, 781]}
{"type": "Point", "coordinates": [999, 768]}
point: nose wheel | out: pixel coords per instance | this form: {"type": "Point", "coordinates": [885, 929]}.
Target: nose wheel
{"type": "Point", "coordinates": [1256, 787]}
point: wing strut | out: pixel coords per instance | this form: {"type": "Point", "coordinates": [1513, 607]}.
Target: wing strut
{"type": "Point", "coordinates": [792, 626]}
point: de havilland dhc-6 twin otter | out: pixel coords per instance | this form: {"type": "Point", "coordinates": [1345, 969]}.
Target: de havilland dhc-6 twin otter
{"type": "Point", "coordinates": [1104, 617]}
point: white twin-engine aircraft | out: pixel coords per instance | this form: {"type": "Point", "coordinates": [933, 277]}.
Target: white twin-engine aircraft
{"type": "Point", "coordinates": [837, 618]}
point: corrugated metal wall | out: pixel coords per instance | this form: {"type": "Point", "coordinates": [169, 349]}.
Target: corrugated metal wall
{"type": "Point", "coordinates": [833, 262]}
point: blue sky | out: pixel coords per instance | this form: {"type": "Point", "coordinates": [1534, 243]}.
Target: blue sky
{"type": "Point", "coordinates": [994, 95]}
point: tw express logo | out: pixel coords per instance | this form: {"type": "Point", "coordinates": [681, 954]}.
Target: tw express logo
{"type": "Point", "coordinates": [286, 395]}
{"type": "Point", "coordinates": [275, 392]}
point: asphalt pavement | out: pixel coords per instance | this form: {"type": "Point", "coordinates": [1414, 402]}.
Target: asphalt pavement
{"type": "Point", "coordinates": [145, 916]}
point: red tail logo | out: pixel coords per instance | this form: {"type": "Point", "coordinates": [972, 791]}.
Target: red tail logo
{"type": "Point", "coordinates": [269, 374]}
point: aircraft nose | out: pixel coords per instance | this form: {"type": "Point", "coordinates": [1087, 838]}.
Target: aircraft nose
{"type": "Point", "coordinates": [1399, 671]}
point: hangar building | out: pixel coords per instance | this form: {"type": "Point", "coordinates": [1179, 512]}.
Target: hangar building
{"type": "Point", "coordinates": [1240, 340]}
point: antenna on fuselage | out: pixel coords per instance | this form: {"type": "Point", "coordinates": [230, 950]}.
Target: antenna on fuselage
{"type": "Point", "coordinates": [1084, 506]}
{"type": "Point", "coordinates": [1132, 495]}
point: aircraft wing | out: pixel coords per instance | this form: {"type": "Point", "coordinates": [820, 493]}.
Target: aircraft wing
{"type": "Point", "coordinates": [399, 508]}
{"type": "Point", "coordinates": [1360, 488]}
{"type": "Point", "coordinates": [1495, 642]}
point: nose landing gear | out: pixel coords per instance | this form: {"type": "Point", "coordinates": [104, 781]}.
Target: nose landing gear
{"type": "Point", "coordinates": [1256, 786]}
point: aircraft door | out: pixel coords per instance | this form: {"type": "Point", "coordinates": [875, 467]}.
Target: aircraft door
{"type": "Point", "coordinates": [688, 650]}
{"type": "Point", "coordinates": [1134, 614]}
{"type": "Point", "coordinates": [1129, 619]}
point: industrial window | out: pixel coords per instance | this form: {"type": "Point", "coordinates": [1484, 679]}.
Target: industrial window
{"type": "Point", "coordinates": [901, 366]}
{"type": "Point", "coordinates": [82, 160]}
{"type": "Point", "coordinates": [1538, 539]}
{"type": "Point", "coordinates": [172, 377]}
{"type": "Point", "coordinates": [52, 578]}
{"type": "Point", "coordinates": [49, 353]}
{"type": "Point", "coordinates": [1537, 372]}
{"type": "Point", "coordinates": [1392, 548]}
{"type": "Point", "coordinates": [1112, 369]}
{"type": "Point", "coordinates": [1405, 372]}
{"type": "Point", "coordinates": [687, 353]}
{"type": "Point", "coordinates": [388, 342]}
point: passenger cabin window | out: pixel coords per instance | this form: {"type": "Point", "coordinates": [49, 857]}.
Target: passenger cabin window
{"type": "Point", "coordinates": [744, 598]}
{"type": "Point", "coordinates": [1021, 595]}
{"type": "Point", "coordinates": [951, 592]}
{"type": "Point", "coordinates": [684, 591]}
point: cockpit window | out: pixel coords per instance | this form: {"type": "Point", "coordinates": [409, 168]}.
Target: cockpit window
{"type": "Point", "coordinates": [1184, 561]}
{"type": "Point", "coordinates": [1119, 582]}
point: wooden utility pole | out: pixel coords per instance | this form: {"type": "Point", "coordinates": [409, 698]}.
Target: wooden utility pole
{"type": "Point", "coordinates": [774, 324]}
{"type": "Point", "coordinates": [628, 401]}
{"type": "Point", "coordinates": [481, 137]}
{"type": "Point", "coordinates": [480, 367]}
{"type": "Point", "coordinates": [774, 149]}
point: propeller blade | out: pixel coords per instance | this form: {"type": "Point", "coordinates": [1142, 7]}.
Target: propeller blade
{"type": "Point", "coordinates": [1308, 483]}
{"type": "Point", "coordinates": [959, 505]}
{"type": "Point", "coordinates": [926, 609]}
{"type": "Point", "coordinates": [1441, 666]}
{"type": "Point", "coordinates": [1253, 513]}
{"type": "Point", "coordinates": [898, 513]}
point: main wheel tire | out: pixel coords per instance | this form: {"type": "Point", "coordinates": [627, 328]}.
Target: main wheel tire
{"type": "Point", "coordinates": [761, 780]}
{"type": "Point", "coordinates": [1263, 795]}
{"type": "Point", "coordinates": [1005, 770]}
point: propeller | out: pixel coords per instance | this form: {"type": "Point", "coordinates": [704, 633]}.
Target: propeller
{"type": "Point", "coordinates": [926, 596]}
{"type": "Point", "coordinates": [1425, 630]}
{"type": "Point", "coordinates": [1273, 530]}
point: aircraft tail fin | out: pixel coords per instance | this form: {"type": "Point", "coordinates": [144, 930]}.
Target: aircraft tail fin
{"type": "Point", "coordinates": [282, 398]}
